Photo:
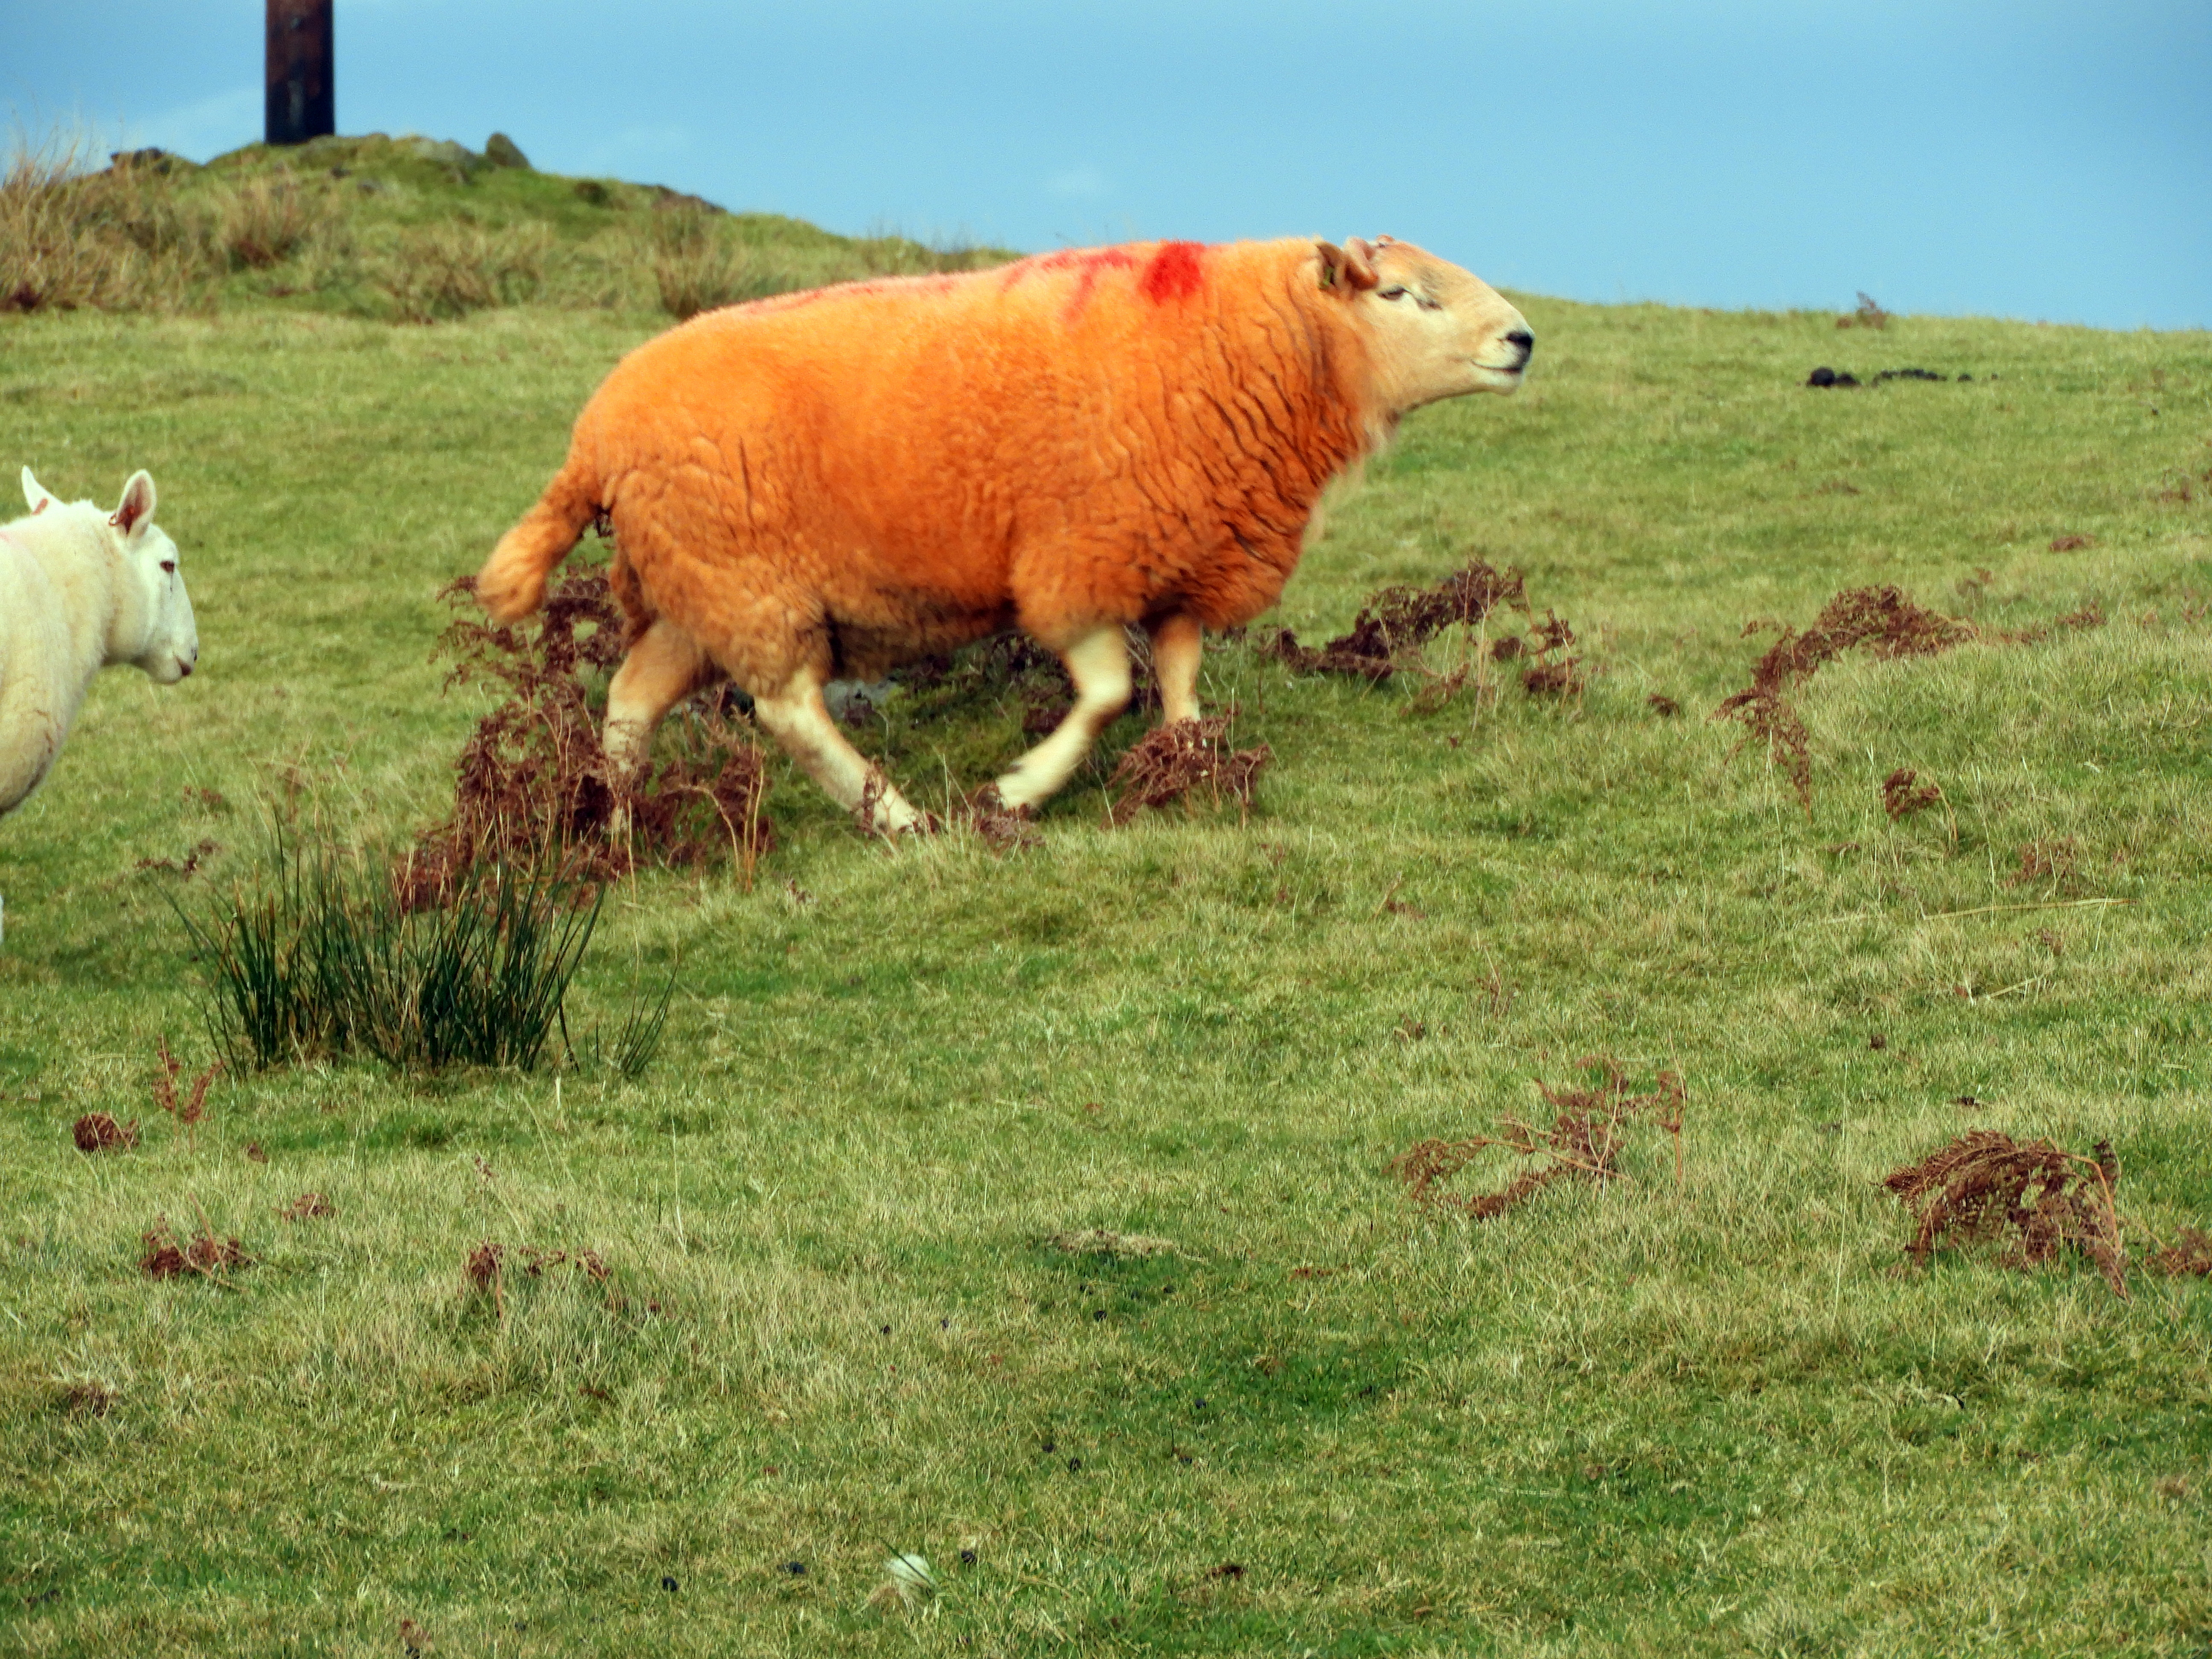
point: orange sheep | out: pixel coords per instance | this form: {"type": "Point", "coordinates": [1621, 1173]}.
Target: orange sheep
{"type": "Point", "coordinates": [836, 482]}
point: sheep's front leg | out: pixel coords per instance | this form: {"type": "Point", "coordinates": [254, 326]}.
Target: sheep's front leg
{"type": "Point", "coordinates": [796, 718]}
{"type": "Point", "coordinates": [1177, 643]}
{"type": "Point", "coordinates": [1098, 663]}
{"type": "Point", "coordinates": [664, 666]}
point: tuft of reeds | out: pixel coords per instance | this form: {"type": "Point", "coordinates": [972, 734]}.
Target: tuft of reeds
{"type": "Point", "coordinates": [324, 955]}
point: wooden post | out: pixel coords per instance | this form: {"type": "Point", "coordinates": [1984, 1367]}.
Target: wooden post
{"type": "Point", "coordinates": [300, 104]}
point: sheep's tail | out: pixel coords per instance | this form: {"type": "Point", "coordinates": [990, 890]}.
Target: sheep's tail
{"type": "Point", "coordinates": [512, 583]}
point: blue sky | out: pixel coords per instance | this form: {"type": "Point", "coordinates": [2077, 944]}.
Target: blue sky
{"type": "Point", "coordinates": [2018, 159]}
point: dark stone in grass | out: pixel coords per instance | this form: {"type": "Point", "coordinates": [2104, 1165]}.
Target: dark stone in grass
{"type": "Point", "coordinates": [1074, 1465]}
{"type": "Point", "coordinates": [796, 1569]}
{"type": "Point", "coordinates": [667, 1583]}
{"type": "Point", "coordinates": [887, 1330]}
{"type": "Point", "coordinates": [1098, 1313]}
{"type": "Point", "coordinates": [1048, 1445]}
{"type": "Point", "coordinates": [1906, 375]}
{"type": "Point", "coordinates": [502, 151]}
{"type": "Point", "coordinates": [1824, 376]}
{"type": "Point", "coordinates": [966, 1558]}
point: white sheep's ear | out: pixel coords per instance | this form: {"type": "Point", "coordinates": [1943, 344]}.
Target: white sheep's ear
{"type": "Point", "coordinates": [35, 495]}
{"type": "Point", "coordinates": [138, 506]}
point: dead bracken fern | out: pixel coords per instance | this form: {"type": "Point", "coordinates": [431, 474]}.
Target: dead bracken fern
{"type": "Point", "coordinates": [1584, 1143]}
{"type": "Point", "coordinates": [486, 1270]}
{"type": "Point", "coordinates": [1881, 620]}
{"type": "Point", "coordinates": [192, 1109]}
{"type": "Point", "coordinates": [96, 1132]}
{"type": "Point", "coordinates": [2041, 1200]}
{"type": "Point", "coordinates": [1396, 622]}
{"type": "Point", "coordinates": [1903, 793]}
{"type": "Point", "coordinates": [534, 779]}
{"type": "Point", "coordinates": [2190, 1255]}
{"type": "Point", "coordinates": [169, 1256]}
{"type": "Point", "coordinates": [1173, 762]}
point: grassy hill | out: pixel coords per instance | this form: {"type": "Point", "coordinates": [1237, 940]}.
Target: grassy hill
{"type": "Point", "coordinates": [407, 229]}
{"type": "Point", "coordinates": [848, 1217]}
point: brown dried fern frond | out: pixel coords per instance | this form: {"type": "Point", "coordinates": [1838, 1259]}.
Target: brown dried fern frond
{"type": "Point", "coordinates": [1396, 622]}
{"type": "Point", "coordinates": [1171, 762]}
{"type": "Point", "coordinates": [1584, 1143]}
{"type": "Point", "coordinates": [534, 783]}
{"type": "Point", "coordinates": [2040, 1200]}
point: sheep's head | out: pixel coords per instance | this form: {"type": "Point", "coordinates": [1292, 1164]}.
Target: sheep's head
{"type": "Point", "coordinates": [1436, 330]}
{"type": "Point", "coordinates": [170, 646]}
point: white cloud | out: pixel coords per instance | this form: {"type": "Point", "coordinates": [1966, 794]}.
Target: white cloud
{"type": "Point", "coordinates": [1083, 181]}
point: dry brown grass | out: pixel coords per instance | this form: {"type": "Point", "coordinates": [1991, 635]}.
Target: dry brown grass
{"type": "Point", "coordinates": [63, 242]}
{"type": "Point", "coordinates": [450, 268]}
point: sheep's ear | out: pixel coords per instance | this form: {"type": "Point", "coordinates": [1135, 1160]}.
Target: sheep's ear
{"type": "Point", "coordinates": [35, 495]}
{"type": "Point", "coordinates": [138, 506]}
{"type": "Point", "coordinates": [1348, 270]}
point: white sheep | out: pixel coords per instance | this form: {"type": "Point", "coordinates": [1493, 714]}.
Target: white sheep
{"type": "Point", "coordinates": [81, 590]}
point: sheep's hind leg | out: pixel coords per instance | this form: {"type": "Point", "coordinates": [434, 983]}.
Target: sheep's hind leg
{"type": "Point", "coordinates": [666, 666]}
{"type": "Point", "coordinates": [798, 718]}
{"type": "Point", "coordinates": [1176, 642]}
{"type": "Point", "coordinates": [1098, 663]}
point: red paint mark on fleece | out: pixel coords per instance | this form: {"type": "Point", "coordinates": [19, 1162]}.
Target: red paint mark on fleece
{"type": "Point", "coordinates": [1176, 272]}
{"type": "Point", "coordinates": [1090, 261]}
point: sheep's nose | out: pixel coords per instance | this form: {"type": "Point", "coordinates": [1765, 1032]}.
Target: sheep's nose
{"type": "Point", "coordinates": [1522, 338]}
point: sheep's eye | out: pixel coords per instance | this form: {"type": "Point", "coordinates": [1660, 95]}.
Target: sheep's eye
{"type": "Point", "coordinates": [169, 565]}
{"type": "Point", "coordinates": [1393, 292]}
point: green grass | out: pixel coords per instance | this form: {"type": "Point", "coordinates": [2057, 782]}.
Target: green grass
{"type": "Point", "coordinates": [1704, 1419]}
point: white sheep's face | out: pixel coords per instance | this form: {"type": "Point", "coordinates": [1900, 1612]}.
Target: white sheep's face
{"type": "Point", "coordinates": [1438, 331]}
{"type": "Point", "coordinates": [171, 644]}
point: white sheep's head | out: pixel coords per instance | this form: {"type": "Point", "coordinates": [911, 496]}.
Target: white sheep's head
{"type": "Point", "coordinates": [1437, 331]}
{"type": "Point", "coordinates": [171, 644]}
